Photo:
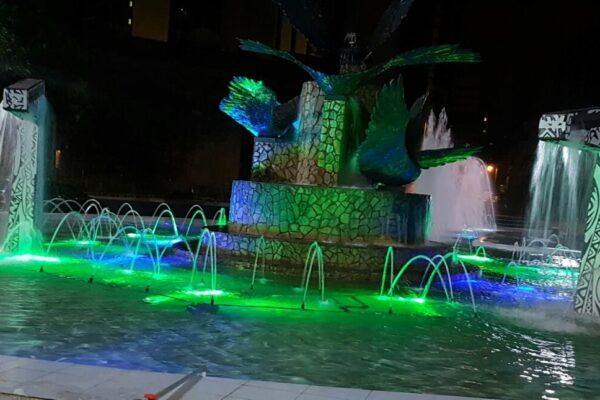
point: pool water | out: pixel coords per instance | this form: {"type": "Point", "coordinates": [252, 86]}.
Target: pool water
{"type": "Point", "coordinates": [509, 350]}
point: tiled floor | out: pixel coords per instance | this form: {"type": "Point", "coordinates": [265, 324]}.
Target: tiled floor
{"type": "Point", "coordinates": [57, 380]}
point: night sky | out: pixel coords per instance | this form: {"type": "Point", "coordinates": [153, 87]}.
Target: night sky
{"type": "Point", "coordinates": [139, 117]}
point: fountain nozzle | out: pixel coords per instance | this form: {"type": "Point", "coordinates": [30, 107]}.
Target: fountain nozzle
{"type": "Point", "coordinates": [302, 306]}
{"type": "Point", "coordinates": [41, 268]}
{"type": "Point", "coordinates": [91, 280]}
{"type": "Point", "coordinates": [146, 289]}
{"type": "Point", "coordinates": [212, 300]}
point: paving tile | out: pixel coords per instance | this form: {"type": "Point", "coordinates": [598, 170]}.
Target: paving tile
{"type": "Point", "coordinates": [131, 384]}
{"type": "Point", "coordinates": [337, 393]}
{"type": "Point", "coordinates": [214, 386]}
{"type": "Point", "coordinates": [288, 387]}
{"type": "Point", "coordinates": [44, 365]}
{"type": "Point", "coordinates": [20, 374]}
{"type": "Point", "coordinates": [257, 393]}
{"type": "Point", "coordinates": [8, 362]}
{"type": "Point", "coordinates": [379, 395]}
{"type": "Point", "coordinates": [49, 390]}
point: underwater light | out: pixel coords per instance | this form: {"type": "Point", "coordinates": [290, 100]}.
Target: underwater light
{"type": "Point", "coordinates": [474, 258]}
{"type": "Point", "coordinates": [205, 292]}
{"type": "Point", "coordinates": [33, 257]}
{"type": "Point", "coordinates": [418, 300]}
{"type": "Point", "coordinates": [150, 238]}
{"type": "Point", "coordinates": [86, 242]}
{"type": "Point", "coordinates": [156, 299]}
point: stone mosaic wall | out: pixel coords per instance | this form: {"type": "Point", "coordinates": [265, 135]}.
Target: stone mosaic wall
{"type": "Point", "coordinates": [274, 161]}
{"type": "Point", "coordinates": [343, 261]}
{"type": "Point", "coordinates": [331, 146]}
{"type": "Point", "coordinates": [313, 156]}
{"type": "Point", "coordinates": [334, 214]}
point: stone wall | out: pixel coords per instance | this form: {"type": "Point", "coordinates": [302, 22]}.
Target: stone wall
{"type": "Point", "coordinates": [314, 154]}
{"type": "Point", "coordinates": [275, 160]}
{"type": "Point", "coordinates": [333, 214]}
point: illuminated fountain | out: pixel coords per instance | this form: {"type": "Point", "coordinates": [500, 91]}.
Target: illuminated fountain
{"type": "Point", "coordinates": [330, 169]}
{"type": "Point", "coordinates": [461, 193]}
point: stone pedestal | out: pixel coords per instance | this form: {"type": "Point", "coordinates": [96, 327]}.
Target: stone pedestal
{"type": "Point", "coordinates": [23, 128]}
{"type": "Point", "coordinates": [329, 214]}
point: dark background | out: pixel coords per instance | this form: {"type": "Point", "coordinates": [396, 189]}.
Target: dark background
{"type": "Point", "coordinates": [138, 117]}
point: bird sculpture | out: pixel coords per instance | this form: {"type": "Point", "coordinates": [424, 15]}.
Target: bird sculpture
{"type": "Point", "coordinates": [390, 153]}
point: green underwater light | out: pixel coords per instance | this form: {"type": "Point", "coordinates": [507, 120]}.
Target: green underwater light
{"type": "Point", "coordinates": [157, 299]}
{"type": "Point", "coordinates": [31, 257]}
{"type": "Point", "coordinates": [158, 240]}
{"type": "Point", "coordinates": [205, 292]}
{"type": "Point", "coordinates": [418, 300]}
{"type": "Point", "coordinates": [472, 258]}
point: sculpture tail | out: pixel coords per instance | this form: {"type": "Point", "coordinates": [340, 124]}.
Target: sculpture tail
{"type": "Point", "coordinates": [250, 103]}
{"type": "Point", "coordinates": [436, 158]}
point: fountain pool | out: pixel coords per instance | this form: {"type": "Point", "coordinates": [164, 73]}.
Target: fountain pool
{"type": "Point", "coordinates": [524, 341]}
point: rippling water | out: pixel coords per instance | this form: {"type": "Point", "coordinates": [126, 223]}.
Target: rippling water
{"type": "Point", "coordinates": [509, 353]}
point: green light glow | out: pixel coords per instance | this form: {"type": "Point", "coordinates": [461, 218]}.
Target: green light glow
{"type": "Point", "coordinates": [158, 240]}
{"type": "Point", "coordinates": [474, 258]}
{"type": "Point", "coordinates": [87, 242]}
{"type": "Point", "coordinates": [31, 257]}
{"type": "Point", "coordinates": [156, 299]}
{"type": "Point", "coordinates": [205, 292]}
{"type": "Point", "coordinates": [418, 300]}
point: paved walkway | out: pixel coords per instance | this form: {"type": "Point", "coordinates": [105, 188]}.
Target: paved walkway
{"type": "Point", "coordinates": [59, 380]}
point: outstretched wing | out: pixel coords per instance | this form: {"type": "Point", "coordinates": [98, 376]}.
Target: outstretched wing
{"type": "Point", "coordinates": [390, 21]}
{"type": "Point", "coordinates": [250, 103]}
{"type": "Point", "coordinates": [348, 84]}
{"type": "Point", "coordinates": [260, 48]}
{"type": "Point", "coordinates": [311, 17]}
{"type": "Point", "coordinates": [436, 158]}
{"type": "Point", "coordinates": [383, 156]}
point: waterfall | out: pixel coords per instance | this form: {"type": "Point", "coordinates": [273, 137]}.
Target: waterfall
{"type": "Point", "coordinates": [461, 193]}
{"type": "Point", "coordinates": [560, 186]}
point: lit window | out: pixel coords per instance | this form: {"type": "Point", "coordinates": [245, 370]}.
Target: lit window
{"type": "Point", "coordinates": [129, 21]}
{"type": "Point", "coordinates": [57, 156]}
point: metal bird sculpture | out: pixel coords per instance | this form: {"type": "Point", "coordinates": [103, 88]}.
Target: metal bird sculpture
{"type": "Point", "coordinates": [347, 84]}
{"type": "Point", "coordinates": [315, 19]}
{"type": "Point", "coordinates": [254, 106]}
{"type": "Point", "coordinates": [390, 153]}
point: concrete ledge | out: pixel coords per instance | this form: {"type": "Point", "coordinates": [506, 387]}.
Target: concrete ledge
{"type": "Point", "coordinates": [24, 378]}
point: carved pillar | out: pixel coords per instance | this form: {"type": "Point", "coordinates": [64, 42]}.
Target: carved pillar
{"type": "Point", "coordinates": [587, 294]}
{"type": "Point", "coordinates": [23, 126]}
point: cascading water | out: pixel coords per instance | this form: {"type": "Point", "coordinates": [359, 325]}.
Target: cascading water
{"type": "Point", "coordinates": [461, 193]}
{"type": "Point", "coordinates": [560, 187]}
